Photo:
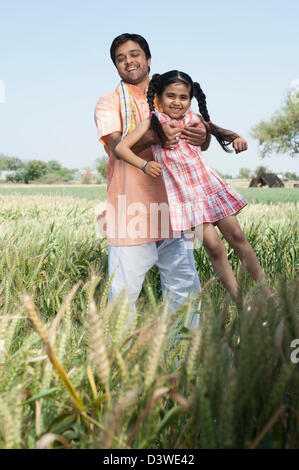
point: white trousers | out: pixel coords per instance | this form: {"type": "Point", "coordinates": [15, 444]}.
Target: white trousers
{"type": "Point", "coordinates": [175, 261]}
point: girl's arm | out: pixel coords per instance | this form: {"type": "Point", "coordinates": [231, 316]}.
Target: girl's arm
{"type": "Point", "coordinates": [124, 152]}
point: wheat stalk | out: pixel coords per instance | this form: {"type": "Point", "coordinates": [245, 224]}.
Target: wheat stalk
{"type": "Point", "coordinates": [7, 423]}
{"type": "Point", "coordinates": [51, 353]}
{"type": "Point", "coordinates": [106, 292]}
{"type": "Point", "coordinates": [99, 353]}
{"type": "Point", "coordinates": [157, 342]}
{"type": "Point", "coordinates": [62, 310]}
{"type": "Point", "coordinates": [113, 420]}
{"type": "Point", "coordinates": [158, 393]}
{"type": "Point", "coordinates": [121, 320]}
{"type": "Point", "coordinates": [144, 334]}
{"type": "Point", "coordinates": [122, 366]}
{"type": "Point", "coordinates": [192, 355]}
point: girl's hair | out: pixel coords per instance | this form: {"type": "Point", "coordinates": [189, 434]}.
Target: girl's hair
{"type": "Point", "coordinates": [156, 87]}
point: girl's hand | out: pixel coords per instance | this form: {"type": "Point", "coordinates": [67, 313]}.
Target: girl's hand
{"type": "Point", "coordinates": [153, 169]}
{"type": "Point", "coordinates": [240, 144]}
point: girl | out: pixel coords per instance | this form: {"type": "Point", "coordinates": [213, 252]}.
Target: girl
{"type": "Point", "coordinates": [198, 197]}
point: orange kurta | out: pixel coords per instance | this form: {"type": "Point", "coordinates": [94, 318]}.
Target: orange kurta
{"type": "Point", "coordinates": [133, 216]}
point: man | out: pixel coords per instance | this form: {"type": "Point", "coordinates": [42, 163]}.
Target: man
{"type": "Point", "coordinates": [137, 242]}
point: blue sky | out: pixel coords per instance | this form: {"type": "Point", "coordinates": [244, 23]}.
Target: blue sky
{"type": "Point", "coordinates": [54, 60]}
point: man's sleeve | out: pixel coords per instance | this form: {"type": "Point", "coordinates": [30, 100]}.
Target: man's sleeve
{"type": "Point", "coordinates": [107, 116]}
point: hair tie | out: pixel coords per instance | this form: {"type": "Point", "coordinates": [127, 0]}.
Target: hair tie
{"type": "Point", "coordinates": [153, 112]}
{"type": "Point", "coordinates": [209, 122]}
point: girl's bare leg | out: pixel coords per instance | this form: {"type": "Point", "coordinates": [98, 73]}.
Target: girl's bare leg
{"type": "Point", "coordinates": [218, 256]}
{"type": "Point", "coordinates": [232, 232]}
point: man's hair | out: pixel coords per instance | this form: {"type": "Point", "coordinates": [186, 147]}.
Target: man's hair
{"type": "Point", "coordinates": [119, 40]}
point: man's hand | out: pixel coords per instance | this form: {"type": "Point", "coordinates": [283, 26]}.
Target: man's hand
{"type": "Point", "coordinates": [240, 144]}
{"type": "Point", "coordinates": [153, 169]}
{"type": "Point", "coordinates": [195, 133]}
{"type": "Point", "coordinates": [172, 133]}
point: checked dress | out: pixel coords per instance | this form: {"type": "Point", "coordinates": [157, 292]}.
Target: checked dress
{"type": "Point", "coordinates": [196, 193]}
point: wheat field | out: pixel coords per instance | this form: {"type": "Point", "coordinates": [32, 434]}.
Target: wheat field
{"type": "Point", "coordinates": [78, 372]}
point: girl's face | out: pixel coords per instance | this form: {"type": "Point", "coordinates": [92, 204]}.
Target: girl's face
{"type": "Point", "coordinates": [175, 100]}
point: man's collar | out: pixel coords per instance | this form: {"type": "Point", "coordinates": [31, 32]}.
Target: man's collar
{"type": "Point", "coordinates": [135, 90]}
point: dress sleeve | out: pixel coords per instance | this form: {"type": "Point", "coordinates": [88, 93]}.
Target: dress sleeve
{"type": "Point", "coordinates": [107, 115]}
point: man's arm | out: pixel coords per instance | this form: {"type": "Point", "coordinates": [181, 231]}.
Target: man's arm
{"type": "Point", "coordinates": [239, 144]}
{"type": "Point", "coordinates": [148, 139]}
{"type": "Point", "coordinates": [194, 133]}
{"type": "Point", "coordinates": [229, 136]}
{"type": "Point", "coordinates": [112, 140]}
{"type": "Point", "coordinates": [206, 144]}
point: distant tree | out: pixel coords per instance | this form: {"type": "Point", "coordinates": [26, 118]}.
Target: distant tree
{"type": "Point", "coordinates": [14, 163]}
{"type": "Point", "coordinates": [56, 168]}
{"type": "Point", "coordinates": [3, 163]}
{"type": "Point", "coordinates": [291, 176]}
{"type": "Point", "coordinates": [54, 165]}
{"type": "Point", "coordinates": [245, 173]}
{"type": "Point", "coordinates": [51, 178]}
{"type": "Point", "coordinates": [35, 169]}
{"type": "Point", "coordinates": [101, 164]}
{"type": "Point", "coordinates": [225, 176]}
{"type": "Point", "coordinates": [18, 176]}
{"type": "Point", "coordinates": [10, 178]}
{"type": "Point", "coordinates": [66, 174]}
{"type": "Point", "coordinates": [281, 133]}
{"type": "Point", "coordinates": [86, 177]}
{"type": "Point", "coordinates": [10, 163]}
{"type": "Point", "coordinates": [261, 168]}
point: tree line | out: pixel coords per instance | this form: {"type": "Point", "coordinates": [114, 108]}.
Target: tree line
{"type": "Point", "coordinates": [33, 170]}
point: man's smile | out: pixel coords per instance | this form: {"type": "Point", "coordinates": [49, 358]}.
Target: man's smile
{"type": "Point", "coordinates": [132, 68]}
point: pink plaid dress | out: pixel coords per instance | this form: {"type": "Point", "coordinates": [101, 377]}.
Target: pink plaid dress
{"type": "Point", "coordinates": [196, 193]}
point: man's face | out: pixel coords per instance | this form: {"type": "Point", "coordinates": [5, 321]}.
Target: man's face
{"type": "Point", "coordinates": [131, 62]}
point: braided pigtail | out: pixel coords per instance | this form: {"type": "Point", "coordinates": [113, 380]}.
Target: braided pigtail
{"type": "Point", "coordinates": [202, 105]}
{"type": "Point", "coordinates": [155, 123]}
